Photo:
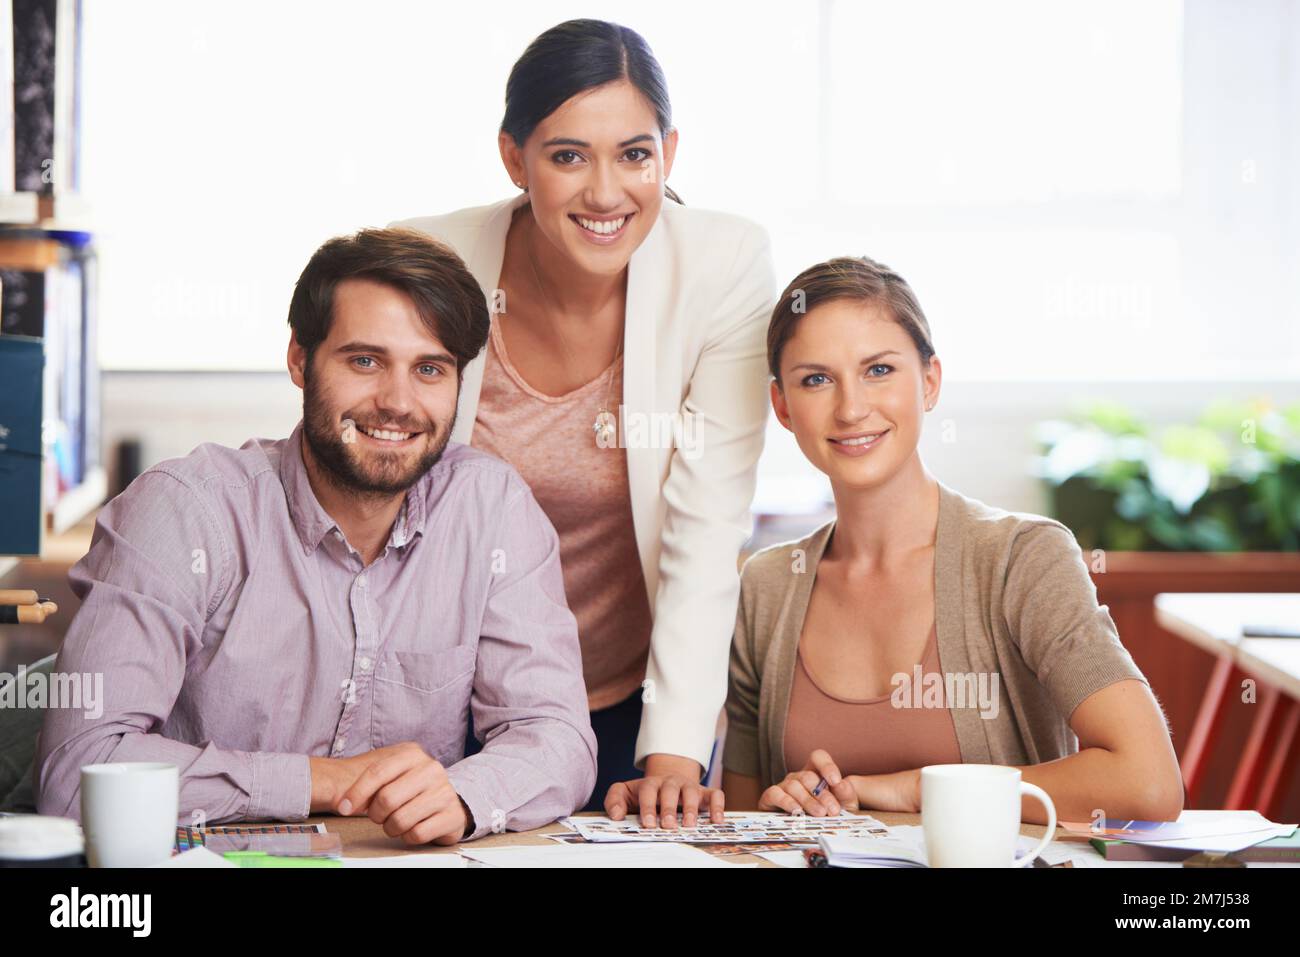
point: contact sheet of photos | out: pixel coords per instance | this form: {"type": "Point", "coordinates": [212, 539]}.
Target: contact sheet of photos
{"type": "Point", "coordinates": [740, 827]}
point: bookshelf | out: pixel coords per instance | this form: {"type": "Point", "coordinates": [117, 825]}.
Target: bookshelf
{"type": "Point", "coordinates": [47, 297]}
{"type": "Point", "coordinates": [49, 371]}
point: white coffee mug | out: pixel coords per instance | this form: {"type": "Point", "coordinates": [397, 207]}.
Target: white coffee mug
{"type": "Point", "coordinates": [128, 812]}
{"type": "Point", "coordinates": [970, 815]}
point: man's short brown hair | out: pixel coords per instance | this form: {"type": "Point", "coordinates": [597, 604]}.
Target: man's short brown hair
{"type": "Point", "coordinates": [446, 295]}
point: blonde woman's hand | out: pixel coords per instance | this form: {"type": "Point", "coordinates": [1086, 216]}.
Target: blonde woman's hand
{"type": "Point", "coordinates": [899, 791]}
{"type": "Point", "coordinates": [794, 795]}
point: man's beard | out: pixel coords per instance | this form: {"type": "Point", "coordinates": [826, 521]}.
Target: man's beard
{"type": "Point", "coordinates": [377, 474]}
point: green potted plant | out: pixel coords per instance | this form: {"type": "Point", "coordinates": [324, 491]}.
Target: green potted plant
{"type": "Point", "coordinates": [1230, 481]}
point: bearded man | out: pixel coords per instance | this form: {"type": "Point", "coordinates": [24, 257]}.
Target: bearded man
{"type": "Point", "coordinates": [306, 625]}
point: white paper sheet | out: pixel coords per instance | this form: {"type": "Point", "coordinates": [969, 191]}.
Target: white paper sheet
{"type": "Point", "coordinates": [197, 857]}
{"type": "Point", "coordinates": [407, 860]}
{"type": "Point", "coordinates": [785, 858]}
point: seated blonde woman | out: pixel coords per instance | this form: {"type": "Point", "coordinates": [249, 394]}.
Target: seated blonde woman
{"type": "Point", "coordinates": [920, 626]}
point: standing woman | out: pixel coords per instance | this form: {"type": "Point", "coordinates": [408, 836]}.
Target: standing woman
{"type": "Point", "coordinates": [624, 380]}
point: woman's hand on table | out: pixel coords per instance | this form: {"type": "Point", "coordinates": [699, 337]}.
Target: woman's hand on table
{"type": "Point", "coordinates": [671, 782]}
{"type": "Point", "coordinates": [900, 791]}
{"type": "Point", "coordinates": [794, 794]}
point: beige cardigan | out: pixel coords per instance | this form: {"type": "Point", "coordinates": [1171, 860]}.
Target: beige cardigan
{"type": "Point", "coordinates": [1012, 598]}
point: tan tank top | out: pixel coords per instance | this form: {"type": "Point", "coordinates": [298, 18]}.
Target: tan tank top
{"type": "Point", "coordinates": [871, 736]}
{"type": "Point", "coordinates": [583, 490]}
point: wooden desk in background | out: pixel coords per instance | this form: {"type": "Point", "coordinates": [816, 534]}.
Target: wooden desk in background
{"type": "Point", "coordinates": [1179, 670]}
{"type": "Point", "coordinates": [1216, 624]}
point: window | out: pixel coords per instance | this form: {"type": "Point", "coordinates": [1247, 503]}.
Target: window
{"type": "Point", "coordinates": [1077, 191]}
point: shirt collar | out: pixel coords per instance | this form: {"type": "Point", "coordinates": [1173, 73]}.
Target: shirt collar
{"type": "Point", "coordinates": [313, 523]}
{"type": "Point", "coordinates": [410, 520]}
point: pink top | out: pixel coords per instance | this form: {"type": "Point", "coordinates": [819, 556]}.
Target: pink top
{"type": "Point", "coordinates": [583, 489]}
{"type": "Point", "coordinates": [870, 736]}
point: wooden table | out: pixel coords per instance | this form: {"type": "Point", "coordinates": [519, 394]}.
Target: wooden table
{"type": "Point", "coordinates": [362, 837]}
{"type": "Point", "coordinates": [1216, 624]}
{"type": "Point", "coordinates": [1128, 582]}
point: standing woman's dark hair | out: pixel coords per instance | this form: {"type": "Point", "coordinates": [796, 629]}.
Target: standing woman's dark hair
{"type": "Point", "coordinates": [580, 55]}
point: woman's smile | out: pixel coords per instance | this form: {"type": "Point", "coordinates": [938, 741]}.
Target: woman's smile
{"type": "Point", "coordinates": [857, 443]}
{"type": "Point", "coordinates": [603, 230]}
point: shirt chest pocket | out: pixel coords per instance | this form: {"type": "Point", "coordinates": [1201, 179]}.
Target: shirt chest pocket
{"type": "Point", "coordinates": [423, 696]}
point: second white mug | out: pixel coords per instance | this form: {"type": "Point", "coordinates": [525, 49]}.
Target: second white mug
{"type": "Point", "coordinates": [970, 814]}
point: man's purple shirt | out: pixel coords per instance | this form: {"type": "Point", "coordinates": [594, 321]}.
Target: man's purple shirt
{"type": "Point", "coordinates": [238, 632]}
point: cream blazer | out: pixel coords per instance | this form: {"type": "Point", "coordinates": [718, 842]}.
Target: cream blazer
{"type": "Point", "coordinates": [700, 292]}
